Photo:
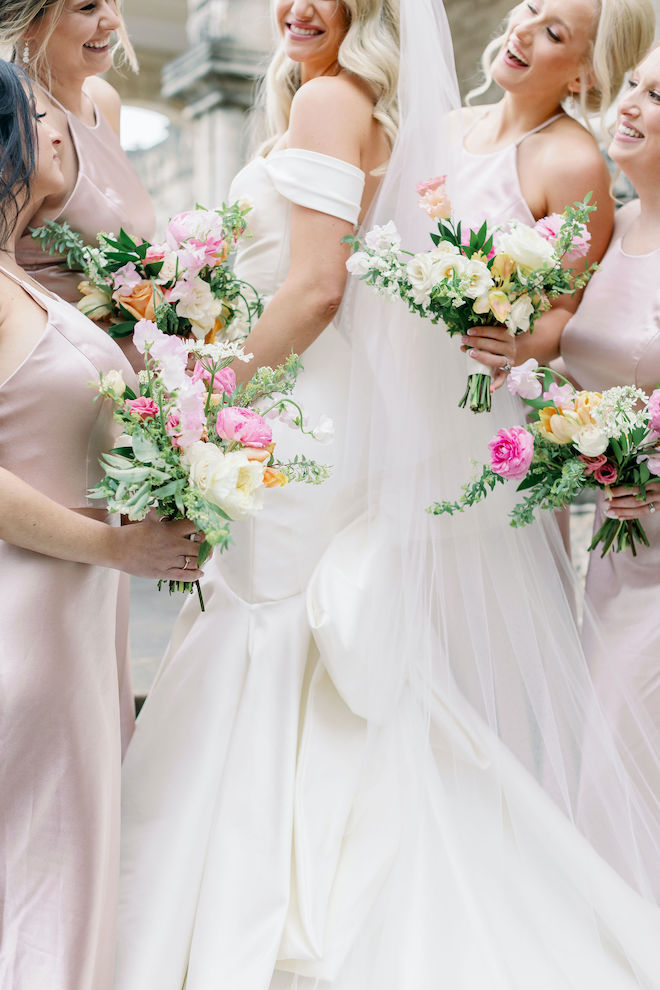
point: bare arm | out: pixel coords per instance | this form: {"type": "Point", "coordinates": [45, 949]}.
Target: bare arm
{"type": "Point", "coordinates": [329, 116]}
{"type": "Point", "coordinates": [31, 520]}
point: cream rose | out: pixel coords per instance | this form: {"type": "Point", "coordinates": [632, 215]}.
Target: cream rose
{"type": "Point", "coordinates": [591, 441]}
{"type": "Point", "coordinates": [228, 480]}
{"type": "Point", "coordinates": [197, 303]}
{"type": "Point", "coordinates": [480, 280]}
{"type": "Point", "coordinates": [423, 276]}
{"type": "Point", "coordinates": [520, 315]}
{"type": "Point", "coordinates": [526, 247]}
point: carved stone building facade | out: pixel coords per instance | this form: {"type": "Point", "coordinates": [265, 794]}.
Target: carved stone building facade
{"type": "Point", "coordinates": [200, 62]}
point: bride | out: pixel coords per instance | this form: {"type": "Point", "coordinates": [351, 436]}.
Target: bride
{"type": "Point", "coordinates": [358, 771]}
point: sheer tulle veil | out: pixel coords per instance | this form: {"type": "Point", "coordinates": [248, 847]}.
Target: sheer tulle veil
{"type": "Point", "coordinates": [461, 630]}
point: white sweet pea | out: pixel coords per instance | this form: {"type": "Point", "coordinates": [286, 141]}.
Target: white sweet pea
{"type": "Point", "coordinates": [526, 247]}
{"type": "Point", "coordinates": [228, 480]}
{"type": "Point", "coordinates": [520, 315]}
{"type": "Point", "coordinates": [324, 431]}
{"type": "Point", "coordinates": [523, 381]}
{"type": "Point", "coordinates": [591, 441]}
{"type": "Point", "coordinates": [480, 281]}
{"type": "Point", "coordinates": [383, 240]}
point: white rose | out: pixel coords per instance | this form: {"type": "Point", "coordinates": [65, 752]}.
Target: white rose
{"type": "Point", "coordinates": [383, 240]}
{"type": "Point", "coordinates": [445, 265]}
{"type": "Point", "coordinates": [421, 272]}
{"type": "Point", "coordinates": [114, 383]}
{"type": "Point", "coordinates": [591, 441]}
{"type": "Point", "coordinates": [169, 269]}
{"type": "Point", "coordinates": [519, 315]}
{"type": "Point", "coordinates": [228, 480]}
{"type": "Point", "coordinates": [526, 247]}
{"type": "Point", "coordinates": [358, 264]}
{"type": "Point", "coordinates": [480, 280]}
{"type": "Point", "coordinates": [443, 248]}
{"type": "Point", "coordinates": [200, 306]}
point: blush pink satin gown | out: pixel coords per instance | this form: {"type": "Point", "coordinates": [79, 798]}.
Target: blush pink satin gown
{"type": "Point", "coordinates": [59, 713]}
{"type": "Point", "coordinates": [108, 195]}
{"type": "Point", "coordinates": [614, 339]}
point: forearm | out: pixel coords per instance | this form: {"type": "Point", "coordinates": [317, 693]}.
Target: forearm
{"type": "Point", "coordinates": [294, 318]}
{"type": "Point", "coordinates": [543, 343]}
{"type": "Point", "coordinates": [31, 520]}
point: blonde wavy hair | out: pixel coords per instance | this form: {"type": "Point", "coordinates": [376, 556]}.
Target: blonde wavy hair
{"type": "Point", "coordinates": [18, 16]}
{"type": "Point", "coordinates": [624, 34]}
{"type": "Point", "coordinates": [370, 50]}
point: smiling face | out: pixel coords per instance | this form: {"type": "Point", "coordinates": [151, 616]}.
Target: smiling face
{"type": "Point", "coordinates": [80, 41]}
{"type": "Point", "coordinates": [313, 31]}
{"type": "Point", "coordinates": [546, 47]}
{"type": "Point", "coordinates": [636, 143]}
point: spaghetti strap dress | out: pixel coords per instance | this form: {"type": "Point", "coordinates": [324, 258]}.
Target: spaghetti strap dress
{"type": "Point", "coordinates": [108, 195]}
{"type": "Point", "coordinates": [59, 713]}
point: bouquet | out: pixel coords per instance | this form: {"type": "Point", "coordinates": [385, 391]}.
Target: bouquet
{"type": "Point", "coordinates": [185, 285]}
{"type": "Point", "coordinates": [194, 445]}
{"type": "Point", "coordinates": [577, 440]}
{"type": "Point", "coordinates": [477, 277]}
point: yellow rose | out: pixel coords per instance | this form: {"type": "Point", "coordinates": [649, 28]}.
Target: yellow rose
{"type": "Point", "coordinates": [141, 302]}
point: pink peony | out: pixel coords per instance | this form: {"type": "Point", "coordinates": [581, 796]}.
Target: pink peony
{"type": "Point", "coordinates": [654, 411]}
{"type": "Point", "coordinates": [224, 381]}
{"type": "Point", "coordinates": [143, 407]}
{"type": "Point", "coordinates": [465, 239]}
{"type": "Point", "coordinates": [550, 227]}
{"type": "Point", "coordinates": [511, 452]}
{"type": "Point", "coordinates": [592, 464]}
{"type": "Point", "coordinates": [243, 426]}
{"type": "Point", "coordinates": [606, 475]}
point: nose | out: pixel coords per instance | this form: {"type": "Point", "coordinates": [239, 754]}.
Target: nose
{"type": "Point", "coordinates": [302, 9]}
{"type": "Point", "coordinates": [629, 103]}
{"type": "Point", "coordinates": [109, 16]}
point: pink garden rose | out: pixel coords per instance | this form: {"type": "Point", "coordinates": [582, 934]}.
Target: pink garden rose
{"type": "Point", "coordinates": [654, 411]}
{"type": "Point", "coordinates": [143, 407]}
{"type": "Point", "coordinates": [606, 475]}
{"type": "Point", "coordinates": [224, 381]}
{"type": "Point", "coordinates": [155, 252]}
{"type": "Point", "coordinates": [243, 426]}
{"type": "Point", "coordinates": [592, 464]}
{"type": "Point", "coordinates": [511, 452]}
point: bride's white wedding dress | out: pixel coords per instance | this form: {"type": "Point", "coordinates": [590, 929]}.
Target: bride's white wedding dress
{"type": "Point", "coordinates": [287, 826]}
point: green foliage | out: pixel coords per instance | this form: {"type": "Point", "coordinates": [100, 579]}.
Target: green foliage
{"type": "Point", "coordinates": [59, 238]}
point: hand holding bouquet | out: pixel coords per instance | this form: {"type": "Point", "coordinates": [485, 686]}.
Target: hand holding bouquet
{"type": "Point", "coordinates": [475, 278]}
{"type": "Point", "coordinates": [185, 285]}
{"type": "Point", "coordinates": [578, 440]}
{"type": "Point", "coordinates": [196, 446]}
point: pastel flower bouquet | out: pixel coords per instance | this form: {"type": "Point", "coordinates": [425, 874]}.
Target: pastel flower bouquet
{"type": "Point", "coordinates": [199, 446]}
{"type": "Point", "coordinates": [185, 285]}
{"type": "Point", "coordinates": [576, 440]}
{"type": "Point", "coordinates": [477, 277]}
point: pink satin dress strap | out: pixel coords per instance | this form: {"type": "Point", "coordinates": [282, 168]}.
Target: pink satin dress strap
{"type": "Point", "coordinates": [108, 195]}
{"type": "Point", "coordinates": [59, 716]}
{"type": "Point", "coordinates": [614, 339]}
{"type": "Point", "coordinates": [487, 187]}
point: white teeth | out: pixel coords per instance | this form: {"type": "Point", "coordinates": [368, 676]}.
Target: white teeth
{"type": "Point", "coordinates": [516, 57]}
{"type": "Point", "coordinates": [304, 32]}
{"type": "Point", "coordinates": [629, 131]}
{"type": "Point", "coordinates": [90, 44]}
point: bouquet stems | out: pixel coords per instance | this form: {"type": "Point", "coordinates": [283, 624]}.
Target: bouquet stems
{"type": "Point", "coordinates": [619, 534]}
{"type": "Point", "coordinates": [180, 587]}
{"type": "Point", "coordinates": [477, 394]}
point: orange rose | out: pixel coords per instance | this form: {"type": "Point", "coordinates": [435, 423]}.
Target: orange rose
{"type": "Point", "coordinates": [274, 479]}
{"type": "Point", "coordinates": [142, 301]}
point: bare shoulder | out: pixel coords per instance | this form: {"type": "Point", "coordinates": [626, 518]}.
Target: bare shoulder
{"type": "Point", "coordinates": [106, 99]}
{"type": "Point", "coordinates": [330, 115]}
{"type": "Point", "coordinates": [567, 151]}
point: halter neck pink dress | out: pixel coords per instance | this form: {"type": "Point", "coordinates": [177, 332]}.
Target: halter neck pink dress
{"type": "Point", "coordinates": [614, 339]}
{"type": "Point", "coordinates": [108, 195]}
{"type": "Point", "coordinates": [59, 730]}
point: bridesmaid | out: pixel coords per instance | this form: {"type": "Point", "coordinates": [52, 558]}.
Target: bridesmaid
{"type": "Point", "coordinates": [59, 561]}
{"type": "Point", "coordinates": [63, 46]}
{"type": "Point", "coordinates": [525, 157]}
{"type": "Point", "coordinates": [614, 339]}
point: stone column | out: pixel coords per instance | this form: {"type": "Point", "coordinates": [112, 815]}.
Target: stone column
{"type": "Point", "coordinates": [215, 79]}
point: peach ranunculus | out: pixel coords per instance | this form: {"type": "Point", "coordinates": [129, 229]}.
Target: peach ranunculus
{"type": "Point", "coordinates": [559, 426]}
{"type": "Point", "coordinates": [142, 300]}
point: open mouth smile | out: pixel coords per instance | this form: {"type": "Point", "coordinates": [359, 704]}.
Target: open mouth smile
{"type": "Point", "coordinates": [302, 30]}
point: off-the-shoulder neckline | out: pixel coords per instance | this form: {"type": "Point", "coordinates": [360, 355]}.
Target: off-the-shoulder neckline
{"type": "Point", "coordinates": [307, 153]}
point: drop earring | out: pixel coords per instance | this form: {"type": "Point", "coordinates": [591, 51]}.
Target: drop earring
{"type": "Point", "coordinates": [26, 53]}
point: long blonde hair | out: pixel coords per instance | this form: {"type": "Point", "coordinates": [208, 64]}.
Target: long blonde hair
{"type": "Point", "coordinates": [370, 50]}
{"type": "Point", "coordinates": [16, 18]}
{"type": "Point", "coordinates": [624, 34]}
